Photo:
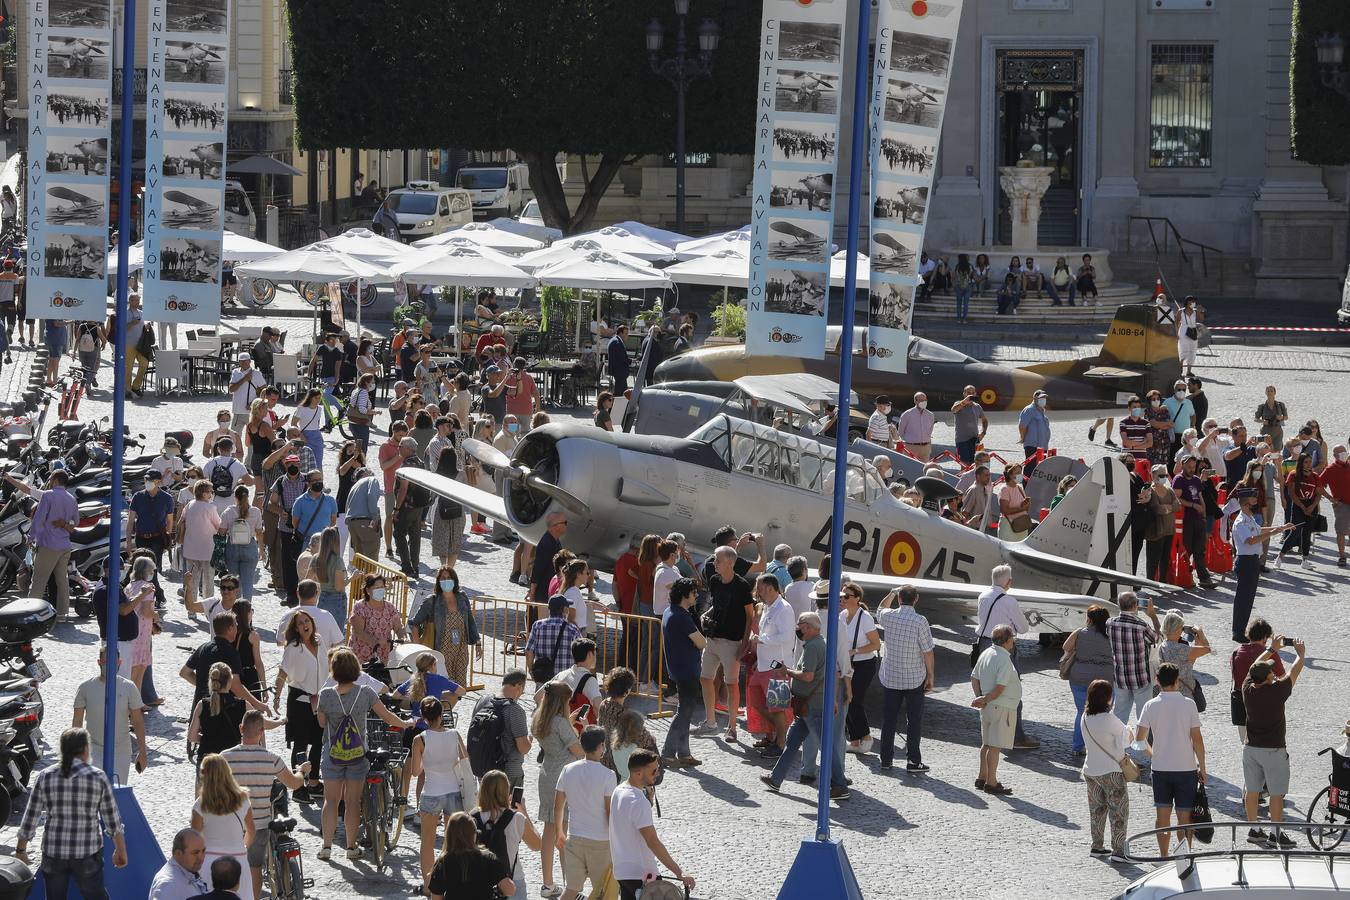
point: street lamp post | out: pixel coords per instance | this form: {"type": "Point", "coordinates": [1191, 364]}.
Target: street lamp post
{"type": "Point", "coordinates": [680, 70]}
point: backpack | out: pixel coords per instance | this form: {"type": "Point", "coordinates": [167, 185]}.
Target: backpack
{"type": "Point", "coordinates": [448, 466]}
{"type": "Point", "coordinates": [146, 345]}
{"type": "Point", "coordinates": [493, 836]}
{"type": "Point", "coordinates": [418, 496]}
{"type": "Point", "coordinates": [579, 699]}
{"type": "Point", "coordinates": [487, 731]}
{"type": "Point", "coordinates": [222, 478]}
{"type": "Point", "coordinates": [349, 744]}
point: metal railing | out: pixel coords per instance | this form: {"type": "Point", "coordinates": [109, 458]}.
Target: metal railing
{"type": "Point", "coordinates": [1170, 234]}
{"type": "Point", "coordinates": [621, 640]}
{"type": "Point", "coordinates": [285, 87]}
{"type": "Point", "coordinates": [1318, 831]}
{"type": "Point", "coordinates": [396, 585]}
{"type": "Point", "coordinates": [138, 85]}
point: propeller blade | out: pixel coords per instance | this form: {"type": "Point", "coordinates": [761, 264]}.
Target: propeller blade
{"type": "Point", "coordinates": [486, 454]}
{"type": "Point", "coordinates": [569, 501]}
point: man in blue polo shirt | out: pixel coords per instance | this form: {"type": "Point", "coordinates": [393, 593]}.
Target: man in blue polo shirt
{"type": "Point", "coordinates": [684, 649]}
{"type": "Point", "coordinates": [1033, 428]}
{"type": "Point", "coordinates": [313, 511]}
{"type": "Point", "coordinates": [150, 517]}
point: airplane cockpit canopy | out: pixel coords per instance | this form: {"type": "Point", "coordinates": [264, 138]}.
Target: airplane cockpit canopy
{"type": "Point", "coordinates": [920, 349]}
{"type": "Point", "coordinates": [783, 458]}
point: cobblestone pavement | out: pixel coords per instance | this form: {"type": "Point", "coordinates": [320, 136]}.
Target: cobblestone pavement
{"type": "Point", "coordinates": [933, 833]}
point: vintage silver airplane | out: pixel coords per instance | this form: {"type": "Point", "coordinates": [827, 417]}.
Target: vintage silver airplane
{"type": "Point", "coordinates": [612, 486]}
{"type": "Point", "coordinates": [190, 212]}
{"type": "Point", "coordinates": [74, 53]}
{"type": "Point", "coordinates": [192, 58]}
{"type": "Point", "coordinates": [79, 209]}
{"type": "Point", "coordinates": [890, 255]}
{"type": "Point", "coordinates": [794, 242]}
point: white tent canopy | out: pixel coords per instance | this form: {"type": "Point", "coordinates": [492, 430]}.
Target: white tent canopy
{"type": "Point", "coordinates": [729, 267]}
{"type": "Point", "coordinates": [235, 249]}
{"type": "Point", "coordinates": [529, 230]}
{"type": "Point", "coordinates": [619, 240]}
{"type": "Point", "coordinates": [564, 251]}
{"type": "Point", "coordinates": [739, 239]}
{"type": "Point", "coordinates": [460, 265]}
{"type": "Point", "coordinates": [365, 245]}
{"type": "Point", "coordinates": [651, 233]}
{"type": "Point", "coordinates": [840, 260]}
{"type": "Point", "coordinates": [486, 234]}
{"type": "Point", "coordinates": [600, 271]}
{"type": "Point", "coordinates": [316, 262]}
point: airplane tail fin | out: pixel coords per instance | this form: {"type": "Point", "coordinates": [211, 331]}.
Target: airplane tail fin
{"type": "Point", "coordinates": [1141, 336]}
{"type": "Point", "coordinates": [1068, 528]}
{"type": "Point", "coordinates": [1092, 525]}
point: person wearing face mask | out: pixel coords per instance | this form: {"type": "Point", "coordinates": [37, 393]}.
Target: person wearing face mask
{"type": "Point", "coordinates": [1189, 317]}
{"type": "Point", "coordinates": [506, 439]}
{"type": "Point", "coordinates": [915, 428]}
{"type": "Point", "coordinates": [1272, 415]}
{"type": "Point", "coordinates": [223, 429]}
{"type": "Point", "coordinates": [1335, 486]}
{"type": "Point", "coordinates": [1238, 452]}
{"type": "Point", "coordinates": [150, 518]}
{"type": "Point", "coordinates": [1136, 434]}
{"type": "Point", "coordinates": [314, 510]}
{"type": "Point", "coordinates": [970, 422]}
{"type": "Point", "coordinates": [1250, 539]}
{"type": "Point", "coordinates": [1163, 429]}
{"type": "Point", "coordinates": [374, 623]}
{"type": "Point", "coordinates": [169, 464]}
{"type": "Point", "coordinates": [282, 497]}
{"type": "Point", "coordinates": [1182, 414]}
{"type": "Point", "coordinates": [1033, 428]}
{"type": "Point", "coordinates": [445, 623]}
{"type": "Point", "coordinates": [880, 429]}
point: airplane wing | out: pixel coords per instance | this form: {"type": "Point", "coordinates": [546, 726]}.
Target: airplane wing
{"type": "Point", "coordinates": [1045, 610]}
{"type": "Point", "coordinates": [66, 193]}
{"type": "Point", "coordinates": [185, 199]}
{"type": "Point", "coordinates": [1111, 372]}
{"type": "Point", "coordinates": [793, 230]}
{"type": "Point", "coordinates": [1058, 565]}
{"type": "Point", "coordinates": [490, 505]}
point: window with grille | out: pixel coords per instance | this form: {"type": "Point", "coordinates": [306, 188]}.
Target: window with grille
{"type": "Point", "coordinates": [1181, 106]}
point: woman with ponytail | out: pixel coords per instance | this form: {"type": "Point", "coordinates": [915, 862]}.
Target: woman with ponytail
{"type": "Point", "coordinates": [427, 682]}
{"type": "Point", "coordinates": [217, 717]}
{"type": "Point", "coordinates": [78, 803]}
{"type": "Point", "coordinates": [242, 526]}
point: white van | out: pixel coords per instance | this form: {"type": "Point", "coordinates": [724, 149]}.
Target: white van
{"type": "Point", "coordinates": [498, 189]}
{"type": "Point", "coordinates": [239, 215]}
{"type": "Point", "coordinates": [424, 208]}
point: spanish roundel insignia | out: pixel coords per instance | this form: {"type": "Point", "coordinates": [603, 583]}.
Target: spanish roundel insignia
{"type": "Point", "coordinates": [988, 396]}
{"type": "Point", "coordinates": [919, 8]}
{"type": "Point", "coordinates": [901, 556]}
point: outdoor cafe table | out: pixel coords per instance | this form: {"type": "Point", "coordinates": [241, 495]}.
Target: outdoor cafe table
{"type": "Point", "coordinates": [556, 389]}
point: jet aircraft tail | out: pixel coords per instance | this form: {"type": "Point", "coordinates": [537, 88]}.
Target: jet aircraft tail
{"type": "Point", "coordinates": [1139, 352]}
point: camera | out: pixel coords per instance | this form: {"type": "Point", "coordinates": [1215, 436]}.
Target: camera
{"type": "Point", "coordinates": [1290, 641]}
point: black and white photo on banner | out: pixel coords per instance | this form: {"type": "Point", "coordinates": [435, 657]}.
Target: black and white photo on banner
{"type": "Point", "coordinates": [799, 240]}
{"type": "Point", "coordinates": [189, 259]}
{"type": "Point", "coordinates": [890, 304]}
{"type": "Point", "coordinates": [69, 105]}
{"type": "Point", "coordinates": [192, 208]}
{"type": "Point", "coordinates": [798, 141]}
{"type": "Point", "coordinates": [792, 189]}
{"type": "Point", "coordinates": [186, 109]}
{"type": "Point", "coordinates": [911, 103]}
{"type": "Point", "coordinates": [902, 152]}
{"type": "Point", "coordinates": [920, 54]}
{"type": "Point", "coordinates": [193, 159]}
{"type": "Point", "coordinates": [800, 91]}
{"type": "Point", "coordinates": [817, 42]}
{"type": "Point", "coordinates": [906, 203]}
{"type": "Point", "coordinates": [894, 252]}
{"type": "Point", "coordinates": [76, 203]}
{"type": "Point", "coordinates": [68, 255]}
{"type": "Point", "coordinates": [79, 57]}
{"type": "Point", "coordinates": [795, 291]}
{"type": "Point", "coordinates": [195, 62]}
{"type": "Point", "coordinates": [91, 14]}
{"type": "Point", "coordinates": [76, 154]}
{"type": "Point", "coordinates": [197, 16]}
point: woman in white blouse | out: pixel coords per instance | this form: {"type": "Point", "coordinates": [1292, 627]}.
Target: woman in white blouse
{"type": "Point", "coordinates": [305, 665]}
{"type": "Point", "coordinates": [1105, 737]}
{"type": "Point", "coordinates": [309, 418]}
{"type": "Point", "coordinates": [859, 629]}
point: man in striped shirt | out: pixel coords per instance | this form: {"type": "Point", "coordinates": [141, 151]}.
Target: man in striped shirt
{"type": "Point", "coordinates": [256, 769]}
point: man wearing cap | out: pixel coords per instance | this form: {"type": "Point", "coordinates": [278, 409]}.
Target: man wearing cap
{"type": "Point", "coordinates": [246, 384]}
{"type": "Point", "coordinates": [150, 518]}
{"type": "Point", "coordinates": [551, 639]}
{"type": "Point", "coordinates": [970, 422]}
{"type": "Point", "coordinates": [619, 365]}
{"type": "Point", "coordinates": [1033, 429]}
{"type": "Point", "coordinates": [916, 428]}
{"type": "Point", "coordinates": [169, 464]}
{"type": "Point", "coordinates": [880, 430]}
{"type": "Point", "coordinates": [328, 361]}
{"type": "Point", "coordinates": [265, 350]}
{"type": "Point", "coordinates": [522, 394]}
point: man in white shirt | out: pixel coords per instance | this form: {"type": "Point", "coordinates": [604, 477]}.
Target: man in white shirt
{"type": "Point", "coordinates": [1178, 751]}
{"type": "Point", "coordinates": [181, 875]}
{"type": "Point", "coordinates": [775, 645]}
{"type": "Point", "coordinates": [580, 676]}
{"type": "Point", "coordinates": [879, 427]}
{"type": "Point", "coordinates": [130, 714]}
{"type": "Point", "coordinates": [667, 573]}
{"type": "Point", "coordinates": [916, 428]}
{"type": "Point", "coordinates": [246, 384]}
{"type": "Point", "coordinates": [634, 847]}
{"type": "Point", "coordinates": [799, 591]}
{"type": "Point", "coordinates": [225, 472]}
{"type": "Point", "coordinates": [999, 607]}
{"type": "Point", "coordinates": [581, 815]}
{"type": "Point", "coordinates": [327, 632]}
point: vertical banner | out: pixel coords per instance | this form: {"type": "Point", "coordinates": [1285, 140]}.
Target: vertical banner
{"type": "Point", "coordinates": [66, 213]}
{"type": "Point", "coordinates": [187, 95]}
{"type": "Point", "coordinates": [796, 149]}
{"type": "Point", "coordinates": [915, 40]}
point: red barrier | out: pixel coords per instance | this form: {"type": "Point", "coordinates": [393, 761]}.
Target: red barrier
{"type": "Point", "coordinates": [1218, 555]}
{"type": "Point", "coordinates": [1180, 564]}
{"type": "Point", "coordinates": [1144, 470]}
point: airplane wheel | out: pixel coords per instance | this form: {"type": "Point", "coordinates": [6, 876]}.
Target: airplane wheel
{"type": "Point", "coordinates": [1055, 639]}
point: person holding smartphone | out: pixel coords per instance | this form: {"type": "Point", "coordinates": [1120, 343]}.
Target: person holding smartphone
{"type": "Point", "coordinates": [1248, 538]}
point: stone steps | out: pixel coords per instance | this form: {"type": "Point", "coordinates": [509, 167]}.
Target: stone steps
{"type": "Point", "coordinates": [942, 309]}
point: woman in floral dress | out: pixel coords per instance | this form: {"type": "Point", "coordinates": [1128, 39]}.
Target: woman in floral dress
{"type": "Point", "coordinates": [141, 591]}
{"type": "Point", "coordinates": [374, 619]}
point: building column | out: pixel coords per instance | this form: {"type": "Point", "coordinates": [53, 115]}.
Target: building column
{"type": "Point", "coordinates": [957, 218]}
{"type": "Point", "coordinates": [1299, 235]}
{"type": "Point", "coordinates": [1117, 191]}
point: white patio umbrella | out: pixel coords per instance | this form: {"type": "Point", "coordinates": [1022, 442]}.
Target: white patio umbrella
{"type": "Point", "coordinates": [729, 267]}
{"type": "Point", "coordinates": [600, 271]}
{"type": "Point", "coordinates": [460, 265]}
{"type": "Point", "coordinates": [620, 240]}
{"type": "Point", "coordinates": [537, 232]}
{"type": "Point", "coordinates": [714, 243]}
{"type": "Point", "coordinates": [317, 262]}
{"type": "Point", "coordinates": [652, 233]}
{"type": "Point", "coordinates": [366, 245]}
{"type": "Point", "coordinates": [486, 234]}
{"type": "Point", "coordinates": [562, 251]}
{"type": "Point", "coordinates": [234, 248]}
{"type": "Point", "coordinates": [837, 263]}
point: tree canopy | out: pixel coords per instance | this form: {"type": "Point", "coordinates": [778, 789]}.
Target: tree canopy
{"type": "Point", "coordinates": [538, 77]}
{"type": "Point", "coordinates": [1319, 117]}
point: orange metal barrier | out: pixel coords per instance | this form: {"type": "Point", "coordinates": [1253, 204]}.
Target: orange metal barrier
{"type": "Point", "coordinates": [396, 585]}
{"type": "Point", "coordinates": [620, 638]}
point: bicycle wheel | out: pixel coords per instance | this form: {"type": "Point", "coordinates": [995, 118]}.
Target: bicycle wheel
{"type": "Point", "coordinates": [368, 296]}
{"type": "Point", "coordinates": [374, 822]}
{"type": "Point", "coordinates": [393, 816]}
{"type": "Point", "coordinates": [262, 291]}
{"type": "Point", "coordinates": [1321, 813]}
{"type": "Point", "coordinates": [293, 878]}
{"type": "Point", "coordinates": [311, 291]}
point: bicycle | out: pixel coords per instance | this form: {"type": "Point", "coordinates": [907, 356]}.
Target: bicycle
{"type": "Point", "coordinates": [335, 417]}
{"type": "Point", "coordinates": [283, 869]}
{"type": "Point", "coordinates": [1331, 806]}
{"type": "Point", "coordinates": [382, 801]}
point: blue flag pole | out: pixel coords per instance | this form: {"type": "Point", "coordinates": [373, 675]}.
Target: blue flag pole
{"type": "Point", "coordinates": [119, 338]}
{"type": "Point", "coordinates": [821, 870]}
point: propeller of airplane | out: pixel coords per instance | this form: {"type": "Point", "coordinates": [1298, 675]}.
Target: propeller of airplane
{"type": "Point", "coordinates": [491, 456]}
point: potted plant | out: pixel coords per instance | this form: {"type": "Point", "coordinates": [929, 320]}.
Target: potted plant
{"type": "Point", "coordinates": [729, 318]}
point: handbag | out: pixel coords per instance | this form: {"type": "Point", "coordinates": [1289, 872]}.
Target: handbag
{"type": "Point", "coordinates": [1237, 710]}
{"type": "Point", "coordinates": [1066, 663]}
{"type": "Point", "coordinates": [1192, 333]}
{"type": "Point", "coordinates": [1319, 523]}
{"type": "Point", "coordinates": [975, 647]}
{"type": "Point", "coordinates": [1198, 694]}
{"type": "Point", "coordinates": [1200, 815]}
{"type": "Point", "coordinates": [1129, 769]}
{"type": "Point", "coordinates": [778, 694]}
{"type": "Point", "coordinates": [468, 782]}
